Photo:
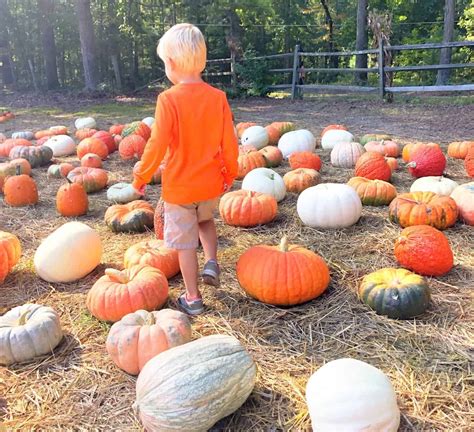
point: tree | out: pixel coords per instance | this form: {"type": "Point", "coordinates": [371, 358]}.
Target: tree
{"type": "Point", "coordinates": [361, 38]}
{"type": "Point", "coordinates": [5, 59]}
{"type": "Point", "coordinates": [88, 46]}
{"type": "Point", "coordinates": [448, 33]}
{"type": "Point", "coordinates": [45, 8]}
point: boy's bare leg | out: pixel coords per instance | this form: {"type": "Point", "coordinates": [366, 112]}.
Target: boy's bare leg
{"type": "Point", "coordinates": [189, 269]}
{"type": "Point", "coordinates": [208, 237]}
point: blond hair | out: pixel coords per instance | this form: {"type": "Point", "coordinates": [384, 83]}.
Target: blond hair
{"type": "Point", "coordinates": [185, 45]}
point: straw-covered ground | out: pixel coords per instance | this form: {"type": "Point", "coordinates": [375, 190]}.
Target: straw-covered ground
{"type": "Point", "coordinates": [428, 360]}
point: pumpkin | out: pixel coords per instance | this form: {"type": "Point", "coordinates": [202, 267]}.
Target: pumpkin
{"type": "Point", "coordinates": [149, 121]}
{"type": "Point", "coordinates": [119, 293]}
{"type": "Point", "coordinates": [395, 293]}
{"type": "Point", "coordinates": [36, 156]}
{"type": "Point", "coordinates": [469, 163]}
{"type": "Point", "coordinates": [283, 127]}
{"type": "Point", "coordinates": [424, 250]}
{"type": "Point", "coordinates": [139, 336]}
{"type": "Point", "coordinates": [334, 136]}
{"type": "Point", "coordinates": [273, 135]}
{"type": "Point", "coordinates": [20, 190]}
{"type": "Point", "coordinates": [438, 184]}
{"type": "Point", "coordinates": [256, 136]}
{"type": "Point", "coordinates": [374, 137]}
{"type": "Point", "coordinates": [59, 170]}
{"type": "Point", "coordinates": [85, 122]}
{"type": "Point", "coordinates": [423, 208]}
{"type": "Point", "coordinates": [265, 180]}
{"type": "Point", "coordinates": [373, 192]}
{"type": "Point", "coordinates": [41, 141]}
{"type": "Point", "coordinates": [305, 159]}
{"type": "Point", "coordinates": [28, 331]}
{"type": "Point", "coordinates": [153, 253]}
{"type": "Point", "coordinates": [9, 168]}
{"type": "Point", "coordinates": [409, 148]}
{"type": "Point", "coordinates": [116, 129]}
{"type": "Point", "coordinates": [241, 127]}
{"type": "Point", "coordinates": [61, 145]}
{"type": "Point", "coordinates": [27, 135]}
{"type": "Point", "coordinates": [108, 139]}
{"type": "Point", "coordinates": [159, 219]}
{"type": "Point", "coordinates": [135, 216]}
{"type": "Point", "coordinates": [297, 141]}
{"type": "Point", "coordinates": [392, 163]}
{"type": "Point", "coordinates": [132, 147]}
{"type": "Point", "coordinates": [219, 376]}
{"type": "Point", "coordinates": [247, 208]}
{"type": "Point", "coordinates": [351, 395]}
{"type": "Point", "coordinates": [247, 148]}
{"type": "Point", "coordinates": [457, 150]}
{"type": "Point", "coordinates": [71, 200]}
{"type": "Point", "coordinates": [346, 154]}
{"type": "Point", "coordinates": [68, 253]}
{"type": "Point", "coordinates": [333, 127]}
{"type": "Point", "coordinates": [92, 145]}
{"type": "Point", "coordinates": [298, 180]}
{"type": "Point", "coordinates": [59, 130]}
{"type": "Point", "coordinates": [7, 146]}
{"type": "Point", "coordinates": [93, 179]}
{"type": "Point", "coordinates": [91, 160]}
{"type": "Point", "coordinates": [249, 161]}
{"type": "Point", "coordinates": [156, 179]}
{"type": "Point", "coordinates": [2, 137]}
{"type": "Point", "coordinates": [272, 156]}
{"type": "Point", "coordinates": [385, 148]}
{"type": "Point", "coordinates": [122, 193]}
{"type": "Point", "coordinates": [463, 195]}
{"type": "Point", "coordinates": [136, 128]}
{"type": "Point", "coordinates": [426, 161]}
{"type": "Point", "coordinates": [329, 205]}
{"type": "Point", "coordinates": [10, 253]}
{"type": "Point", "coordinates": [283, 275]}
{"type": "Point", "coordinates": [82, 134]}
{"type": "Point", "coordinates": [373, 166]}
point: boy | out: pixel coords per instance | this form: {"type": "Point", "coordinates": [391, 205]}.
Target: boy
{"type": "Point", "coordinates": [193, 126]}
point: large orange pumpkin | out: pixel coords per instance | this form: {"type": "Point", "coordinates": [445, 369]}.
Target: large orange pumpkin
{"type": "Point", "coordinates": [273, 135]}
{"type": "Point", "coordinates": [71, 200]}
{"type": "Point", "coordinates": [282, 275]}
{"type": "Point", "coordinates": [298, 180]}
{"type": "Point", "coordinates": [409, 148]}
{"type": "Point", "coordinates": [119, 293]}
{"type": "Point", "coordinates": [91, 160]}
{"type": "Point", "coordinates": [373, 192]}
{"type": "Point", "coordinates": [93, 179]}
{"type": "Point", "coordinates": [8, 144]}
{"type": "Point", "coordinates": [459, 149]}
{"type": "Point", "coordinates": [249, 161]}
{"type": "Point", "coordinates": [132, 147]}
{"type": "Point", "coordinates": [373, 166]}
{"type": "Point", "coordinates": [108, 140]}
{"type": "Point", "coordinates": [469, 162]}
{"type": "Point", "coordinates": [20, 190]}
{"type": "Point", "coordinates": [92, 145]}
{"type": "Point", "coordinates": [423, 208]}
{"type": "Point", "coordinates": [10, 252]}
{"type": "Point", "coordinates": [153, 253]}
{"type": "Point", "coordinates": [425, 250]}
{"type": "Point", "coordinates": [305, 159]}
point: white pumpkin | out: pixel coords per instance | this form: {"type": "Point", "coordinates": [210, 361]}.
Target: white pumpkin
{"type": "Point", "coordinates": [62, 145]}
{"type": "Point", "coordinates": [23, 135]}
{"type": "Point", "coordinates": [438, 184]}
{"type": "Point", "coordinates": [334, 136]}
{"type": "Point", "coordinates": [265, 180]}
{"type": "Point", "coordinates": [69, 253]}
{"type": "Point", "coordinates": [346, 154]}
{"type": "Point", "coordinates": [192, 386]}
{"type": "Point", "coordinates": [256, 136]}
{"type": "Point", "coordinates": [329, 205]}
{"type": "Point", "coordinates": [296, 141]}
{"type": "Point", "coordinates": [122, 193]}
{"type": "Point", "coordinates": [149, 121]}
{"type": "Point", "coordinates": [348, 395]}
{"type": "Point", "coordinates": [28, 331]}
{"type": "Point", "coordinates": [85, 122]}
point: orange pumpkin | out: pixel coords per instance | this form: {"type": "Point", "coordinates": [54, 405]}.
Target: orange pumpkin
{"type": "Point", "coordinates": [373, 166]}
{"type": "Point", "coordinates": [159, 219]}
{"type": "Point", "coordinates": [283, 127]}
{"type": "Point", "coordinates": [82, 134]}
{"type": "Point", "coordinates": [409, 148]}
{"type": "Point", "coordinates": [153, 253]}
{"type": "Point", "coordinates": [91, 160]}
{"type": "Point", "coordinates": [423, 208]}
{"type": "Point", "coordinates": [425, 250]}
{"type": "Point", "coordinates": [273, 135]}
{"type": "Point", "coordinates": [136, 128]}
{"type": "Point", "coordinates": [8, 169]}
{"type": "Point", "coordinates": [305, 159]}
{"type": "Point", "coordinates": [60, 170]}
{"type": "Point", "coordinates": [283, 275]}
{"type": "Point", "coordinates": [459, 149]}
{"type": "Point", "coordinates": [10, 253]}
{"type": "Point", "coordinates": [333, 127]}
{"type": "Point", "coordinates": [272, 155]}
{"type": "Point", "coordinates": [116, 129]}
{"type": "Point", "coordinates": [249, 161]}
{"type": "Point", "coordinates": [141, 335]}
{"type": "Point", "coordinates": [385, 148]}
{"type": "Point", "coordinates": [246, 208]}
{"type": "Point", "coordinates": [20, 190]}
{"type": "Point", "coordinates": [108, 140]}
{"type": "Point", "coordinates": [93, 179]}
{"type": "Point", "coordinates": [469, 162]}
{"type": "Point", "coordinates": [240, 127]}
{"type": "Point", "coordinates": [8, 144]}
{"type": "Point", "coordinates": [373, 192]}
{"type": "Point", "coordinates": [298, 180]}
{"type": "Point", "coordinates": [426, 161]}
{"type": "Point", "coordinates": [392, 163]}
{"type": "Point", "coordinates": [132, 147]}
{"type": "Point", "coordinates": [71, 200]}
{"type": "Point", "coordinates": [119, 293]}
{"type": "Point", "coordinates": [247, 148]}
{"type": "Point", "coordinates": [92, 145]}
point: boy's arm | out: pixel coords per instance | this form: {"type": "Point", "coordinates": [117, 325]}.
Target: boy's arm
{"type": "Point", "coordinates": [230, 147]}
{"type": "Point", "coordinates": [157, 145]}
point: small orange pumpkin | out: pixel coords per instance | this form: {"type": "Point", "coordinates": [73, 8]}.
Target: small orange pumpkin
{"type": "Point", "coordinates": [385, 148]}
{"type": "Point", "coordinates": [93, 179]}
{"type": "Point", "coordinates": [373, 166]}
{"type": "Point", "coordinates": [132, 147]}
{"type": "Point", "coordinates": [373, 192]}
{"type": "Point", "coordinates": [91, 160]}
{"type": "Point", "coordinates": [108, 140]}
{"type": "Point", "coordinates": [20, 190]}
{"type": "Point", "coordinates": [59, 170]}
{"type": "Point", "coordinates": [8, 169]}
{"type": "Point", "coordinates": [273, 156]}
{"type": "Point", "coordinates": [71, 200]}
{"type": "Point", "coordinates": [92, 145]}
{"type": "Point", "coordinates": [249, 161]}
{"type": "Point", "coordinates": [116, 129]}
{"type": "Point", "coordinates": [305, 159]}
{"type": "Point", "coordinates": [273, 135]}
{"type": "Point", "coordinates": [10, 253]}
{"type": "Point", "coordinates": [392, 163]}
{"type": "Point", "coordinates": [298, 180]}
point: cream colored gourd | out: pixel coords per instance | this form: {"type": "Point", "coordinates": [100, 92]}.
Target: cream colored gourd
{"type": "Point", "coordinates": [85, 122]}
{"type": "Point", "coordinates": [149, 121]}
{"type": "Point", "coordinates": [23, 135]}
{"type": "Point", "coordinates": [256, 136]}
{"type": "Point", "coordinates": [192, 386]}
{"type": "Point", "coordinates": [69, 253]}
{"type": "Point", "coordinates": [334, 136]}
{"type": "Point", "coordinates": [28, 331]}
{"type": "Point", "coordinates": [122, 193]}
{"type": "Point", "coordinates": [348, 395]}
{"type": "Point", "coordinates": [329, 205]}
{"type": "Point", "coordinates": [438, 184]}
{"type": "Point", "coordinates": [346, 154]}
{"type": "Point", "coordinates": [296, 141]}
{"type": "Point", "coordinates": [265, 180]}
{"type": "Point", "coordinates": [62, 145]}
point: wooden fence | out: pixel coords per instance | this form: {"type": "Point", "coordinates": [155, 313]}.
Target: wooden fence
{"type": "Point", "coordinates": [382, 70]}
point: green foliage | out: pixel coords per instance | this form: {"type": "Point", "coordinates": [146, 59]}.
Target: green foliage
{"type": "Point", "coordinates": [253, 77]}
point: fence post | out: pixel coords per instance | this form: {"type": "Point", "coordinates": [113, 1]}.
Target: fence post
{"type": "Point", "coordinates": [294, 78]}
{"type": "Point", "coordinates": [381, 60]}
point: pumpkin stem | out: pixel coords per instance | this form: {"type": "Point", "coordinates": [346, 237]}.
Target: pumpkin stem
{"type": "Point", "coordinates": [117, 276]}
{"type": "Point", "coordinates": [18, 169]}
{"type": "Point", "coordinates": [284, 244]}
{"type": "Point", "coordinates": [411, 164]}
{"type": "Point", "coordinates": [22, 319]}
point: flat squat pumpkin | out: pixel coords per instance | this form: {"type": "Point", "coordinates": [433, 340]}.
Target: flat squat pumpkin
{"type": "Point", "coordinates": [373, 192]}
{"type": "Point", "coordinates": [135, 216]}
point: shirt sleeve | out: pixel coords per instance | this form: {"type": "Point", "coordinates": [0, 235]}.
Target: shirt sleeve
{"type": "Point", "coordinates": [230, 147]}
{"type": "Point", "coordinates": [157, 145]}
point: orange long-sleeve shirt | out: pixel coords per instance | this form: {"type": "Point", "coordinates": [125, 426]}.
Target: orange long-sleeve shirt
{"type": "Point", "coordinates": [193, 127]}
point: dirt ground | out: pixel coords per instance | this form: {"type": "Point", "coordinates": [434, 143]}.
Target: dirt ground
{"type": "Point", "coordinates": [428, 360]}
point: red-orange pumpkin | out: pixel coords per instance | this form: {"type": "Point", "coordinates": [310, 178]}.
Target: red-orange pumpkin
{"type": "Point", "coordinates": [91, 160]}
{"type": "Point", "coordinates": [116, 129]}
{"type": "Point", "coordinates": [10, 252]}
{"type": "Point", "coordinates": [305, 159]}
{"type": "Point", "coordinates": [71, 200]}
{"type": "Point", "coordinates": [272, 155]}
{"type": "Point", "coordinates": [469, 162]}
{"type": "Point", "coordinates": [92, 145]}
{"type": "Point", "coordinates": [249, 161]}
{"type": "Point", "coordinates": [132, 147]}
{"type": "Point", "coordinates": [20, 190]}
{"type": "Point", "coordinates": [273, 135]}
{"type": "Point", "coordinates": [409, 148]}
{"type": "Point", "coordinates": [426, 161]}
{"type": "Point", "coordinates": [373, 166]}
{"type": "Point", "coordinates": [108, 140]}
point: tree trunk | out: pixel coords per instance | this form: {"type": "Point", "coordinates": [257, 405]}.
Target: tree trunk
{"type": "Point", "coordinates": [448, 33]}
{"type": "Point", "coordinates": [8, 78]}
{"type": "Point", "coordinates": [49, 45]}
{"type": "Point", "coordinates": [361, 39]}
{"type": "Point", "coordinates": [88, 45]}
{"type": "Point", "coordinates": [333, 60]}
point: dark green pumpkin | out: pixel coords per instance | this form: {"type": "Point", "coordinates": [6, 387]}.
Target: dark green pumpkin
{"type": "Point", "coordinates": [396, 293]}
{"type": "Point", "coordinates": [36, 156]}
{"type": "Point", "coordinates": [136, 216]}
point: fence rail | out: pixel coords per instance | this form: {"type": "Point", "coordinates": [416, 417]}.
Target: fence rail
{"type": "Point", "coordinates": [382, 70]}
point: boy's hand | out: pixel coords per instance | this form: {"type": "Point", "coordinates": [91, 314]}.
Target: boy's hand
{"type": "Point", "coordinates": [133, 193]}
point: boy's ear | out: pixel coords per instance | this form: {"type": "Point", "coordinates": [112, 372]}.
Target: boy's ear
{"type": "Point", "coordinates": [171, 63]}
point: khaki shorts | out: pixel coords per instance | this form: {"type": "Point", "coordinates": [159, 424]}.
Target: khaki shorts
{"type": "Point", "coordinates": [181, 230]}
